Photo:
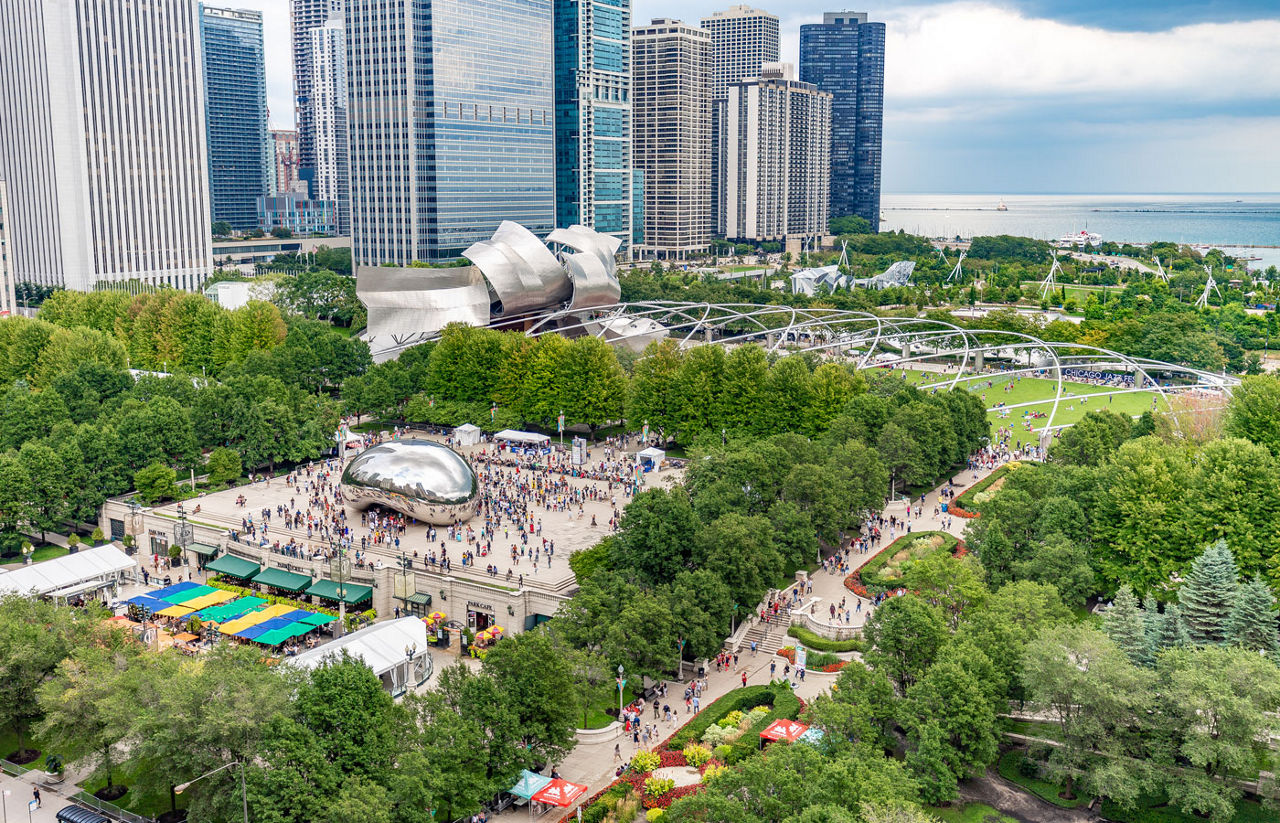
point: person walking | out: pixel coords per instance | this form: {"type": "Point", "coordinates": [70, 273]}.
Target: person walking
{"type": "Point", "coordinates": [744, 680]}
{"type": "Point", "coordinates": [35, 795]}
{"type": "Point", "coordinates": [617, 752]}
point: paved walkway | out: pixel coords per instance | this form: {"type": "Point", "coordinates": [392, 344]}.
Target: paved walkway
{"type": "Point", "coordinates": [17, 794]}
{"type": "Point", "coordinates": [593, 762]}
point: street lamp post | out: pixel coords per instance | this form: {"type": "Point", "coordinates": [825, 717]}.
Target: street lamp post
{"type": "Point", "coordinates": [680, 657]}
{"type": "Point", "coordinates": [244, 794]}
{"type": "Point", "coordinates": [338, 566]}
{"type": "Point", "coordinates": [621, 682]}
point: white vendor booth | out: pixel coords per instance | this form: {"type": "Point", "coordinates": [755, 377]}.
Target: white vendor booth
{"type": "Point", "coordinates": [396, 651]}
{"type": "Point", "coordinates": [518, 441]}
{"type": "Point", "coordinates": [467, 434]}
{"type": "Point", "coordinates": [651, 459]}
{"type": "Point", "coordinates": [82, 573]}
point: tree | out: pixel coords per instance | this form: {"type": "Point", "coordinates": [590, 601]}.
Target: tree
{"type": "Point", "coordinates": [1252, 624]}
{"type": "Point", "coordinates": [1220, 705]}
{"type": "Point", "coordinates": [849, 224]}
{"type": "Point", "coordinates": [536, 678]}
{"type": "Point", "coordinates": [594, 384]}
{"type": "Point", "coordinates": [156, 482]}
{"type": "Point", "coordinates": [700, 605]}
{"type": "Point", "coordinates": [901, 454]}
{"type": "Point", "coordinates": [654, 398]}
{"type": "Point", "coordinates": [656, 536]}
{"type": "Point", "coordinates": [1206, 599]}
{"type": "Point", "coordinates": [281, 233]}
{"type": "Point", "coordinates": [1123, 623]}
{"type": "Point", "coordinates": [1251, 413]}
{"type": "Point", "coordinates": [223, 466]}
{"type": "Point", "coordinates": [1101, 702]}
{"type": "Point", "coordinates": [47, 485]}
{"type": "Point", "coordinates": [952, 719]}
{"type": "Point", "coordinates": [1061, 562]}
{"type": "Point", "coordinates": [905, 633]}
{"type": "Point", "coordinates": [221, 228]}
{"type": "Point", "coordinates": [741, 550]}
{"type": "Point", "coordinates": [953, 583]}
{"type": "Point", "coordinates": [1093, 440]}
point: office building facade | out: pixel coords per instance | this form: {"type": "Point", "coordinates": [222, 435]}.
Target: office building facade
{"type": "Point", "coordinates": [331, 180]}
{"type": "Point", "coordinates": [844, 55]}
{"type": "Point", "coordinates": [235, 95]}
{"type": "Point", "coordinates": [304, 17]}
{"type": "Point", "coordinates": [743, 39]}
{"type": "Point", "coordinates": [8, 300]}
{"type": "Point", "coordinates": [102, 143]}
{"type": "Point", "coordinates": [451, 123]}
{"type": "Point", "coordinates": [284, 144]}
{"type": "Point", "coordinates": [671, 136]}
{"type": "Point", "coordinates": [593, 115]}
{"type": "Point", "coordinates": [297, 213]}
{"type": "Point", "coordinates": [778, 163]}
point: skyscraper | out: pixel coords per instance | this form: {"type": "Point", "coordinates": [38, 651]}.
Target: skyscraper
{"type": "Point", "coordinates": [593, 115]}
{"type": "Point", "coordinates": [778, 163]}
{"type": "Point", "coordinates": [451, 124]}
{"type": "Point", "coordinates": [235, 95]}
{"type": "Point", "coordinates": [671, 135]}
{"type": "Point", "coordinates": [102, 142]}
{"type": "Point", "coordinates": [305, 15]}
{"type": "Point", "coordinates": [743, 39]}
{"type": "Point", "coordinates": [285, 148]}
{"type": "Point", "coordinates": [331, 180]}
{"type": "Point", "coordinates": [8, 301]}
{"type": "Point", "coordinates": [845, 56]}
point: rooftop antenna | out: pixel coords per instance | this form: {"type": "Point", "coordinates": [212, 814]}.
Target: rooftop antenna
{"type": "Point", "coordinates": [1160, 272]}
{"type": "Point", "coordinates": [1210, 286]}
{"type": "Point", "coordinates": [1050, 279]}
{"type": "Point", "coordinates": [957, 274]}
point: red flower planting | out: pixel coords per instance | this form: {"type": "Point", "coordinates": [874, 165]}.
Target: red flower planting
{"type": "Point", "coordinates": [789, 653]}
{"type": "Point", "coordinates": [959, 512]}
{"type": "Point", "coordinates": [854, 584]}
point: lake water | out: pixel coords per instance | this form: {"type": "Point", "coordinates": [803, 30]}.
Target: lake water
{"type": "Point", "coordinates": [1223, 220]}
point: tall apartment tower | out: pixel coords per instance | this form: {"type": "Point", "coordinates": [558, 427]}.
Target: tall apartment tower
{"type": "Point", "coordinates": [235, 97]}
{"type": "Point", "coordinates": [778, 164]}
{"type": "Point", "coordinates": [451, 122]}
{"type": "Point", "coordinates": [102, 142]}
{"type": "Point", "coordinates": [304, 16]}
{"type": "Point", "coordinates": [593, 115]}
{"type": "Point", "coordinates": [671, 134]}
{"type": "Point", "coordinates": [331, 180]}
{"type": "Point", "coordinates": [8, 300]}
{"type": "Point", "coordinates": [743, 39]}
{"type": "Point", "coordinates": [284, 143]}
{"type": "Point", "coordinates": [845, 56]}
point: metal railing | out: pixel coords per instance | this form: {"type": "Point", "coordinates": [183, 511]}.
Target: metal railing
{"type": "Point", "coordinates": [83, 798]}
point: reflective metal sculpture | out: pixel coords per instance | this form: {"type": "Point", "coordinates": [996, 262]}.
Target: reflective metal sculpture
{"type": "Point", "coordinates": [421, 478]}
{"type": "Point", "coordinates": [589, 257]}
{"type": "Point", "coordinates": [522, 272]}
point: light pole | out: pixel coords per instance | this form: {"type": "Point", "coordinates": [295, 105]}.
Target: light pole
{"type": "Point", "coordinates": [621, 682]}
{"type": "Point", "coordinates": [339, 568]}
{"type": "Point", "coordinates": [680, 657]}
{"type": "Point", "coordinates": [244, 794]}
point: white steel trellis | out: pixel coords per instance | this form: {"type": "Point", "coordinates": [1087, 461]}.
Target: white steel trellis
{"type": "Point", "coordinates": [873, 341]}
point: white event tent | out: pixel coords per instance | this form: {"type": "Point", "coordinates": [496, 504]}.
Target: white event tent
{"type": "Point", "coordinates": [396, 651]}
{"type": "Point", "coordinates": [62, 577]}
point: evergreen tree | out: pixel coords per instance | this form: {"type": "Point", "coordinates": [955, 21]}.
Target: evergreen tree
{"type": "Point", "coordinates": [1253, 620]}
{"type": "Point", "coordinates": [1153, 623]}
{"type": "Point", "coordinates": [1208, 595]}
{"type": "Point", "coordinates": [1173, 629]}
{"type": "Point", "coordinates": [1123, 623]}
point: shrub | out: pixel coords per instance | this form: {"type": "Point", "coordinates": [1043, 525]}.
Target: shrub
{"type": "Point", "coordinates": [1028, 767]}
{"type": "Point", "coordinates": [718, 735]}
{"type": "Point", "coordinates": [645, 761]}
{"type": "Point", "coordinates": [654, 815]}
{"type": "Point", "coordinates": [822, 644]}
{"type": "Point", "coordinates": [722, 752]}
{"type": "Point", "coordinates": [658, 786]}
{"type": "Point", "coordinates": [696, 755]}
{"type": "Point", "coordinates": [713, 771]}
{"type": "Point", "coordinates": [731, 720]}
{"type": "Point", "coordinates": [97, 537]}
{"type": "Point", "coordinates": [73, 540]}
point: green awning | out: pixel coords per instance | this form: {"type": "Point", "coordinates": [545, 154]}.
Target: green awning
{"type": "Point", "coordinates": [233, 609]}
{"type": "Point", "coordinates": [281, 579]}
{"type": "Point", "coordinates": [299, 628]}
{"type": "Point", "coordinates": [329, 590]}
{"type": "Point", "coordinates": [178, 598]}
{"type": "Point", "coordinates": [318, 619]}
{"type": "Point", "coordinates": [203, 549]}
{"type": "Point", "coordinates": [274, 637]}
{"type": "Point", "coordinates": [419, 599]}
{"type": "Point", "coordinates": [234, 566]}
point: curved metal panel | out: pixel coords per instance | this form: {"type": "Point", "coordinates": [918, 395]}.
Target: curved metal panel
{"type": "Point", "coordinates": [592, 285]}
{"type": "Point", "coordinates": [583, 239]}
{"type": "Point", "coordinates": [522, 272]}
{"type": "Point", "coordinates": [420, 478]}
{"type": "Point", "coordinates": [409, 303]}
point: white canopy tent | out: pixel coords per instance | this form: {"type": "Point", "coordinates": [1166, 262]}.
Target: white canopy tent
{"type": "Point", "coordinates": [651, 458]}
{"type": "Point", "coordinates": [523, 438]}
{"type": "Point", "coordinates": [396, 651]}
{"type": "Point", "coordinates": [467, 434]}
{"type": "Point", "coordinates": [71, 574]}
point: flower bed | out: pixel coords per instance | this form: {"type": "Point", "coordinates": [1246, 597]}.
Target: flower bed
{"type": "Point", "coordinates": [966, 505]}
{"type": "Point", "coordinates": [822, 644]}
{"type": "Point", "coordinates": [868, 581]}
{"type": "Point", "coordinates": [816, 661]}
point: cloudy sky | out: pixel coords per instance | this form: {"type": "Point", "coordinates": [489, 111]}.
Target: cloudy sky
{"type": "Point", "coordinates": [1027, 96]}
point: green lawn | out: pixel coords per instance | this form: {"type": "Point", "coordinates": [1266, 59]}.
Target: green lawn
{"type": "Point", "coordinates": [1034, 728]}
{"type": "Point", "coordinates": [596, 716]}
{"type": "Point", "coordinates": [144, 803]}
{"type": "Point", "coordinates": [48, 552]}
{"type": "Point", "coordinates": [1070, 408]}
{"type": "Point", "coordinates": [1044, 789]}
{"type": "Point", "coordinates": [969, 813]}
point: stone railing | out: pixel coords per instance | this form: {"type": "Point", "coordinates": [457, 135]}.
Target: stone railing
{"type": "Point", "coordinates": [804, 620]}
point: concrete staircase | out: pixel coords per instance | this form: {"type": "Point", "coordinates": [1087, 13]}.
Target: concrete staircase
{"type": "Point", "coordinates": [768, 638]}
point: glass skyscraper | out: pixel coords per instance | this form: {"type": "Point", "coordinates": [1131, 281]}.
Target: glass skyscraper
{"type": "Point", "coordinates": [451, 122]}
{"type": "Point", "coordinates": [593, 115]}
{"type": "Point", "coordinates": [844, 55]}
{"type": "Point", "coordinates": [235, 93]}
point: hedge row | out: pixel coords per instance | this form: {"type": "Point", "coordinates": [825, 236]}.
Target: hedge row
{"type": "Point", "coordinates": [821, 644]}
{"type": "Point", "coordinates": [742, 700]}
{"type": "Point", "coordinates": [965, 500]}
{"type": "Point", "coordinates": [869, 574]}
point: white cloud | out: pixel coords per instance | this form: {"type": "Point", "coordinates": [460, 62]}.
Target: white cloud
{"type": "Point", "coordinates": [979, 51]}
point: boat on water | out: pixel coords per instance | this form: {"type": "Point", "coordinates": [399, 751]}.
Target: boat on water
{"type": "Point", "coordinates": [1084, 237]}
{"type": "Point", "coordinates": [1002, 207]}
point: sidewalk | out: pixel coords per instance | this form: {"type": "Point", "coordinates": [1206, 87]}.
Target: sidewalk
{"type": "Point", "coordinates": [19, 795]}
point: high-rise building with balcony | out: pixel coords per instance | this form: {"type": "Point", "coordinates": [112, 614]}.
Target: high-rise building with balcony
{"type": "Point", "coordinates": [451, 123]}
{"type": "Point", "coordinates": [743, 39]}
{"type": "Point", "coordinates": [328, 122]}
{"type": "Point", "coordinates": [102, 143]}
{"type": "Point", "coordinates": [778, 163]}
{"type": "Point", "coordinates": [671, 136]}
{"type": "Point", "coordinates": [304, 16]}
{"type": "Point", "coordinates": [594, 181]}
{"type": "Point", "coordinates": [284, 144]}
{"type": "Point", "coordinates": [235, 96]}
{"type": "Point", "coordinates": [844, 54]}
